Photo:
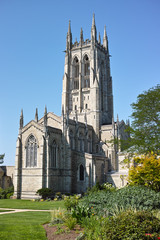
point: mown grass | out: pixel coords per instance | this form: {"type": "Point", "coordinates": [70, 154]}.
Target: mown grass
{"type": "Point", "coordinates": [23, 226]}
{"type": "Point", "coordinates": [28, 204]}
{"type": "Point", "coordinates": [6, 210]}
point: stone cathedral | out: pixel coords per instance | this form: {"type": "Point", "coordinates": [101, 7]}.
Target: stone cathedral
{"type": "Point", "coordinates": [71, 153]}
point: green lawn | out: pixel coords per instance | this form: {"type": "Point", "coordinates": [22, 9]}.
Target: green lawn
{"type": "Point", "coordinates": [28, 204]}
{"type": "Point", "coordinates": [23, 226]}
{"type": "Point", "coordinates": [6, 210]}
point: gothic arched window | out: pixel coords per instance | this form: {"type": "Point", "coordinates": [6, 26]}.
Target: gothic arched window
{"type": "Point", "coordinates": [86, 72]}
{"type": "Point", "coordinates": [102, 85]}
{"type": "Point", "coordinates": [53, 154]}
{"type": "Point", "coordinates": [31, 152]}
{"type": "Point", "coordinates": [81, 173]}
{"type": "Point", "coordinates": [76, 73]}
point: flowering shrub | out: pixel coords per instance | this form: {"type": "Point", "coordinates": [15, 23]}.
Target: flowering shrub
{"type": "Point", "coordinates": [146, 171]}
{"type": "Point", "coordinates": [71, 201]}
{"type": "Point", "coordinates": [132, 225]}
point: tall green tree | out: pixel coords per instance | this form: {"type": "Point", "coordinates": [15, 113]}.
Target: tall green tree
{"type": "Point", "coordinates": [1, 158]}
{"type": "Point", "coordinates": [145, 129]}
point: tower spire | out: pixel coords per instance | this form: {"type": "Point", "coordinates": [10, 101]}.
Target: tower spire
{"type": "Point", "coordinates": [45, 116]}
{"type": "Point", "coordinates": [69, 27]}
{"type": "Point", "coordinates": [93, 20]}
{"type": "Point", "coordinates": [81, 36]}
{"type": "Point", "coordinates": [69, 37]}
{"type": "Point", "coordinates": [93, 30]}
{"type": "Point", "coordinates": [36, 115]}
{"type": "Point", "coordinates": [117, 119]}
{"type": "Point", "coordinates": [99, 40]}
{"type": "Point", "coordinates": [105, 41]}
{"type": "Point", "coordinates": [21, 120]}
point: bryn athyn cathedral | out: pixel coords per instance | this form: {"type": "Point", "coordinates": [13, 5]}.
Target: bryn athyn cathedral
{"type": "Point", "coordinates": [71, 152]}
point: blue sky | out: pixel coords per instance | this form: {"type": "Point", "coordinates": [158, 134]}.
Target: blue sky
{"type": "Point", "coordinates": [32, 41]}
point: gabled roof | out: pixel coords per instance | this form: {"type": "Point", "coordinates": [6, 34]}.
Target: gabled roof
{"type": "Point", "coordinates": [32, 124]}
{"type": "Point", "coordinates": [51, 116]}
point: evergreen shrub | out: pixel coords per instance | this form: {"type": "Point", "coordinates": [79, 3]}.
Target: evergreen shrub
{"type": "Point", "coordinates": [6, 193]}
{"type": "Point", "coordinates": [45, 193]}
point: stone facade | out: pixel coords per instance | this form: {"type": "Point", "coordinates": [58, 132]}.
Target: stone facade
{"type": "Point", "coordinates": [71, 153]}
{"type": "Point", "coordinates": [6, 176]}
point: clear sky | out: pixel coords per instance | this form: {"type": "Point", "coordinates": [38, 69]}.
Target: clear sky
{"type": "Point", "coordinates": [32, 41]}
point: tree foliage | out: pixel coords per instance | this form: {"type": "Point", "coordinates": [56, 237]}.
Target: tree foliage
{"type": "Point", "coordinates": [145, 131]}
{"type": "Point", "coordinates": [1, 157]}
{"type": "Point", "coordinates": [146, 171]}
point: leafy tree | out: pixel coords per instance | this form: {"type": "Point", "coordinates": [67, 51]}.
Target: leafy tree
{"type": "Point", "coordinates": [1, 157]}
{"type": "Point", "coordinates": [145, 131]}
{"type": "Point", "coordinates": [145, 171]}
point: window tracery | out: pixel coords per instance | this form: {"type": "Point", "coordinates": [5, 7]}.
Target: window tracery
{"type": "Point", "coordinates": [76, 73]}
{"type": "Point", "coordinates": [31, 152]}
{"type": "Point", "coordinates": [86, 72]}
{"type": "Point", "coordinates": [53, 154]}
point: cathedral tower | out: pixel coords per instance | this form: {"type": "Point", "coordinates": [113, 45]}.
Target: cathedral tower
{"type": "Point", "coordinates": [87, 83]}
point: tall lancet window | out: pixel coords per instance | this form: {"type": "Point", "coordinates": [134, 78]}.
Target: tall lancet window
{"type": "Point", "coordinates": [53, 154]}
{"type": "Point", "coordinates": [86, 72]}
{"type": "Point", "coordinates": [31, 152]}
{"type": "Point", "coordinates": [76, 73]}
{"type": "Point", "coordinates": [81, 173]}
{"type": "Point", "coordinates": [102, 85]}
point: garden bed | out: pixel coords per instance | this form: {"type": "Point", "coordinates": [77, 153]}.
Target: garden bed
{"type": "Point", "coordinates": [61, 233]}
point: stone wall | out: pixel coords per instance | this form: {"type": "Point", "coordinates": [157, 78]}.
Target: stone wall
{"type": "Point", "coordinates": [6, 176]}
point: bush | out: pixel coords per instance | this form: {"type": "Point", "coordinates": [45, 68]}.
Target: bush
{"type": "Point", "coordinates": [6, 193]}
{"type": "Point", "coordinates": [71, 201]}
{"type": "Point", "coordinates": [126, 225]}
{"type": "Point", "coordinates": [45, 193]}
{"type": "Point", "coordinates": [80, 211]}
{"type": "Point", "coordinates": [131, 225]}
{"type": "Point", "coordinates": [146, 172]}
{"type": "Point", "coordinates": [105, 186]}
{"type": "Point", "coordinates": [105, 203]}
